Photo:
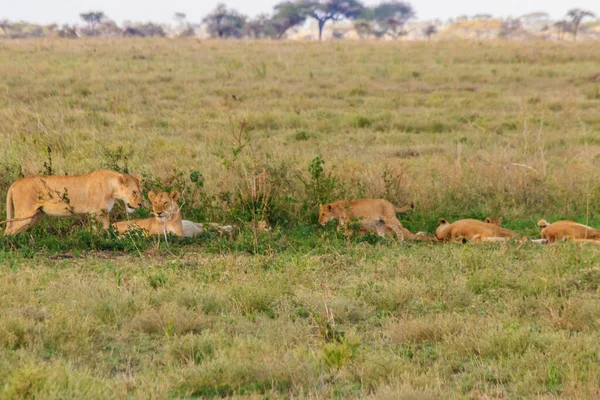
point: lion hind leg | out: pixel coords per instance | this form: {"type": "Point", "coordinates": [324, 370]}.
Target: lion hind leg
{"type": "Point", "coordinates": [494, 239]}
{"type": "Point", "coordinates": [395, 226]}
{"type": "Point", "coordinates": [16, 227]}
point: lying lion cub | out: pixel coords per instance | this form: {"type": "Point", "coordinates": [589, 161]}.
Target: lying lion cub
{"type": "Point", "coordinates": [560, 230]}
{"type": "Point", "coordinates": [493, 221]}
{"type": "Point", "coordinates": [28, 199]}
{"type": "Point", "coordinates": [374, 214]}
{"type": "Point", "coordinates": [167, 216]}
{"type": "Point", "coordinates": [472, 230]}
{"type": "Point", "coordinates": [192, 229]}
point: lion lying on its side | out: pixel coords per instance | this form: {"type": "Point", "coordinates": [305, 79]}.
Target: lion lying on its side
{"type": "Point", "coordinates": [191, 229]}
{"type": "Point", "coordinates": [376, 215]}
{"type": "Point", "coordinates": [472, 230]}
{"type": "Point", "coordinates": [561, 230]}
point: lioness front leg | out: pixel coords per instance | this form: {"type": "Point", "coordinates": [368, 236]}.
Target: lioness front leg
{"type": "Point", "coordinates": [101, 219]}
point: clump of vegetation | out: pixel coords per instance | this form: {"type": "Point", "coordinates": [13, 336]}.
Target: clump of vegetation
{"type": "Point", "coordinates": [303, 310]}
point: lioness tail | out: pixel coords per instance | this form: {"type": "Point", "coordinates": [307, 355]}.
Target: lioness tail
{"type": "Point", "coordinates": [407, 207]}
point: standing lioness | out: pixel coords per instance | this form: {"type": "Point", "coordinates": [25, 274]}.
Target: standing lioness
{"type": "Point", "coordinates": [28, 199]}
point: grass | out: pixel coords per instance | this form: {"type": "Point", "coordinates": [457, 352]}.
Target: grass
{"type": "Point", "coordinates": [257, 130]}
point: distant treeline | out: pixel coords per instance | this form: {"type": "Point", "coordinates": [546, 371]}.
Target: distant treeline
{"type": "Point", "coordinates": [387, 20]}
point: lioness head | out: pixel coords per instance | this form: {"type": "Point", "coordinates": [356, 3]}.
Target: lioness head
{"type": "Point", "coordinates": [542, 223]}
{"type": "Point", "coordinates": [164, 204]}
{"type": "Point", "coordinates": [441, 229]}
{"type": "Point", "coordinates": [130, 191]}
{"type": "Point", "coordinates": [326, 214]}
{"type": "Point", "coordinates": [493, 221]}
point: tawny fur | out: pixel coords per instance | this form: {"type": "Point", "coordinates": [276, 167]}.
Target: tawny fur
{"type": "Point", "coordinates": [472, 230]}
{"type": "Point", "coordinates": [167, 216]}
{"type": "Point", "coordinates": [374, 214]}
{"type": "Point", "coordinates": [28, 199]}
{"type": "Point", "coordinates": [560, 230]}
{"type": "Point", "coordinates": [494, 221]}
{"type": "Point", "coordinates": [192, 229]}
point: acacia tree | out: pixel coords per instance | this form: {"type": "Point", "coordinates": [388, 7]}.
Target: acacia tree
{"type": "Point", "coordinates": [391, 17]}
{"type": "Point", "coordinates": [509, 26]}
{"type": "Point", "coordinates": [330, 10]}
{"type": "Point", "coordinates": [93, 18]}
{"type": "Point", "coordinates": [363, 28]}
{"type": "Point", "coordinates": [260, 27]}
{"type": "Point", "coordinates": [180, 18]}
{"type": "Point", "coordinates": [562, 27]}
{"type": "Point", "coordinates": [429, 30]}
{"type": "Point", "coordinates": [225, 23]}
{"type": "Point", "coordinates": [577, 15]}
{"type": "Point", "coordinates": [287, 15]}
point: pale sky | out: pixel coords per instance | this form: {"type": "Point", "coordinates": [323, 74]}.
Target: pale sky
{"type": "Point", "coordinates": [67, 11]}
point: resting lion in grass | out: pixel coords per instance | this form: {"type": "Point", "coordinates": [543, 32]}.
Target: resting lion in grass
{"type": "Point", "coordinates": [494, 221]}
{"type": "Point", "coordinates": [472, 230]}
{"type": "Point", "coordinates": [561, 230]}
{"type": "Point", "coordinates": [373, 214]}
{"type": "Point", "coordinates": [167, 216]}
{"type": "Point", "coordinates": [167, 219]}
{"type": "Point", "coordinates": [28, 199]}
{"type": "Point", "coordinates": [191, 228]}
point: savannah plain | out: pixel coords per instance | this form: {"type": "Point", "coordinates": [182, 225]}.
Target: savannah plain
{"type": "Point", "coordinates": [252, 131]}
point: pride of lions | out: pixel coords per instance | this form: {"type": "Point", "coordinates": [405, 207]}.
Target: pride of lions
{"type": "Point", "coordinates": [94, 194]}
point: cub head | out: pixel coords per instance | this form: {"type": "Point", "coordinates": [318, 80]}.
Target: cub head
{"type": "Point", "coordinates": [493, 221]}
{"type": "Point", "coordinates": [164, 204]}
{"type": "Point", "coordinates": [440, 232]}
{"type": "Point", "coordinates": [542, 223]}
{"type": "Point", "coordinates": [326, 214]}
{"type": "Point", "coordinates": [130, 191]}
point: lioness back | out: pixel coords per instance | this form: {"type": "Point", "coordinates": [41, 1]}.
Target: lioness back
{"type": "Point", "coordinates": [64, 196]}
{"type": "Point", "coordinates": [567, 229]}
{"type": "Point", "coordinates": [371, 208]}
{"type": "Point", "coordinates": [346, 210]}
{"type": "Point", "coordinates": [471, 229]}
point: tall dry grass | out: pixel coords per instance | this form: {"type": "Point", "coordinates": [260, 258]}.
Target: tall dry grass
{"type": "Point", "coordinates": [461, 128]}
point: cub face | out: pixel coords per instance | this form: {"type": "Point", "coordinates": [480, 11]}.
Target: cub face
{"type": "Point", "coordinates": [440, 232]}
{"type": "Point", "coordinates": [164, 204]}
{"type": "Point", "coordinates": [493, 221]}
{"type": "Point", "coordinates": [326, 214]}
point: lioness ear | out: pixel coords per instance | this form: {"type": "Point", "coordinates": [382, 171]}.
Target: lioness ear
{"type": "Point", "coordinates": [442, 221]}
{"type": "Point", "coordinates": [174, 195]}
{"type": "Point", "coordinates": [329, 207]}
{"type": "Point", "coordinates": [138, 178]}
{"type": "Point", "coordinates": [499, 220]}
{"type": "Point", "coordinates": [151, 196]}
{"type": "Point", "coordinates": [122, 179]}
{"type": "Point", "coordinates": [488, 220]}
